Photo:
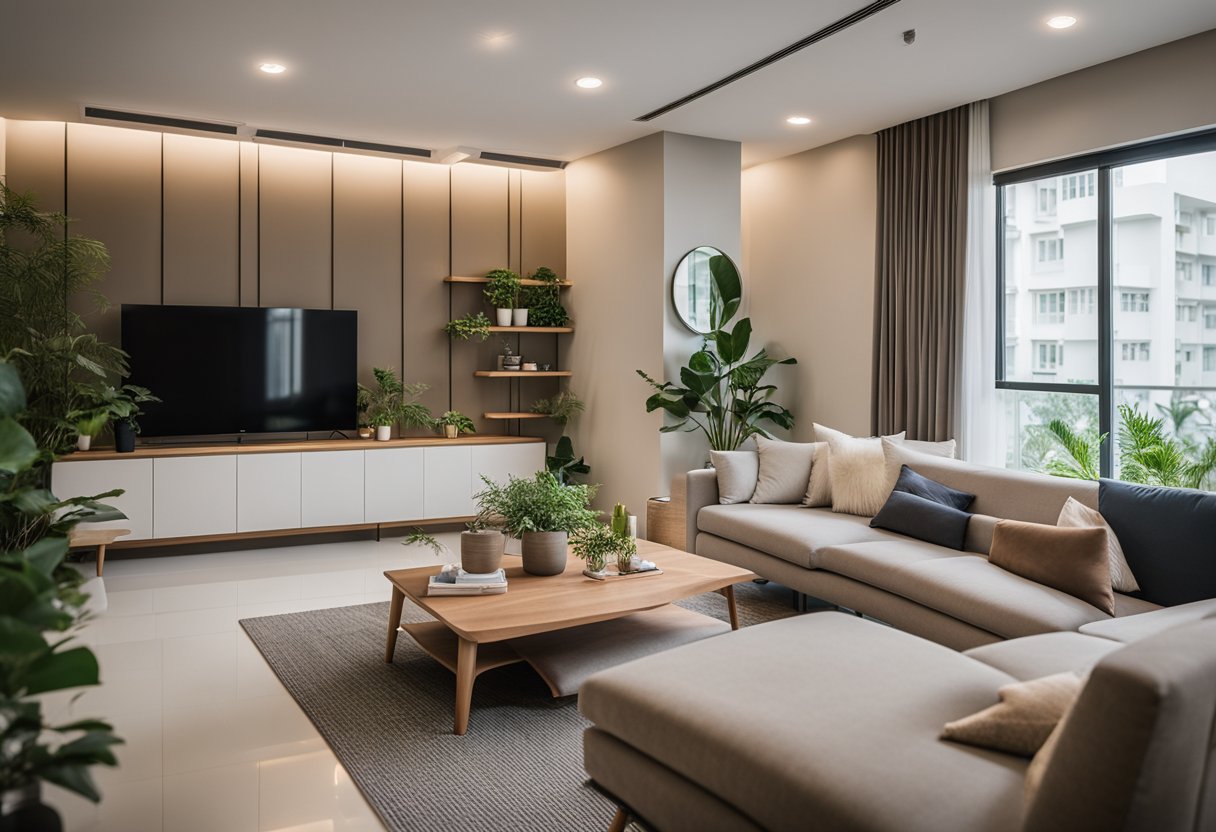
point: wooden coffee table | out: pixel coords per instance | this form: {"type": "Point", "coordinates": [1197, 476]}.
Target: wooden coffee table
{"type": "Point", "coordinates": [473, 634]}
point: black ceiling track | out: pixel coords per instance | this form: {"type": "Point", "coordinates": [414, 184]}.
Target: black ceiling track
{"type": "Point", "coordinates": [512, 159]}
{"type": "Point", "coordinates": [160, 121]}
{"type": "Point", "coordinates": [826, 32]}
{"type": "Point", "coordinates": [351, 144]}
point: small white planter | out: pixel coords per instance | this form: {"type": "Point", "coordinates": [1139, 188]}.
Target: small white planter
{"type": "Point", "coordinates": [519, 317]}
{"type": "Point", "coordinates": [83, 443]}
{"type": "Point", "coordinates": [504, 316]}
{"type": "Point", "coordinates": [384, 433]}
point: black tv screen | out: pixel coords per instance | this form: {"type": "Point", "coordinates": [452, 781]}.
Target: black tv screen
{"type": "Point", "coordinates": [232, 370]}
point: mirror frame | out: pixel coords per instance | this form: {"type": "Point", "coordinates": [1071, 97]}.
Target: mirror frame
{"type": "Point", "coordinates": [675, 305]}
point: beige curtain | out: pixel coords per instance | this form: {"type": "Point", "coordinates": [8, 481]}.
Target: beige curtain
{"type": "Point", "coordinates": [921, 273]}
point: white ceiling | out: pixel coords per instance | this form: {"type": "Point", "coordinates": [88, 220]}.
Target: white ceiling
{"type": "Point", "coordinates": [430, 73]}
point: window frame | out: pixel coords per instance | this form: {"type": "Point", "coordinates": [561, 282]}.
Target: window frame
{"type": "Point", "coordinates": [1102, 164]}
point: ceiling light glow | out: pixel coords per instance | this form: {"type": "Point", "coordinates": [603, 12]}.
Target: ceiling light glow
{"type": "Point", "coordinates": [272, 69]}
{"type": "Point", "coordinates": [799, 120]}
{"type": "Point", "coordinates": [1062, 21]}
{"type": "Point", "coordinates": [588, 83]}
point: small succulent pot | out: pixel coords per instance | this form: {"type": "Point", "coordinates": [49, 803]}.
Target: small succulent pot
{"type": "Point", "coordinates": [519, 317]}
{"type": "Point", "coordinates": [83, 443]}
{"type": "Point", "coordinates": [481, 551]}
{"type": "Point", "coordinates": [124, 437]}
{"type": "Point", "coordinates": [544, 553]}
{"type": "Point", "coordinates": [503, 316]}
{"type": "Point", "coordinates": [512, 362]}
{"type": "Point", "coordinates": [451, 431]}
{"type": "Point", "coordinates": [366, 432]}
{"type": "Point", "coordinates": [384, 433]}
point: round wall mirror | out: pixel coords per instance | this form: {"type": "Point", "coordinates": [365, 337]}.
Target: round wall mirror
{"type": "Point", "coordinates": [692, 288]}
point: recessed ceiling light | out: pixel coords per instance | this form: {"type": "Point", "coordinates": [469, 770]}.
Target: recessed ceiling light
{"type": "Point", "coordinates": [1062, 21]}
{"type": "Point", "coordinates": [496, 40]}
{"type": "Point", "coordinates": [588, 83]}
{"type": "Point", "coordinates": [272, 69]}
{"type": "Point", "coordinates": [799, 120]}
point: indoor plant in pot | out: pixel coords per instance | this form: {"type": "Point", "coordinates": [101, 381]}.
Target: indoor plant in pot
{"type": "Point", "coordinates": [467, 327]}
{"type": "Point", "coordinates": [363, 400]}
{"type": "Point", "coordinates": [544, 302]}
{"type": "Point", "coordinates": [392, 402]}
{"type": "Point", "coordinates": [541, 512]}
{"type": "Point", "coordinates": [454, 423]}
{"type": "Point", "coordinates": [502, 292]}
{"type": "Point", "coordinates": [481, 548]}
{"type": "Point", "coordinates": [598, 544]}
{"type": "Point", "coordinates": [124, 406]}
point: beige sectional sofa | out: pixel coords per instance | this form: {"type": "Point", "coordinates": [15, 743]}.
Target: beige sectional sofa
{"type": "Point", "coordinates": [956, 598]}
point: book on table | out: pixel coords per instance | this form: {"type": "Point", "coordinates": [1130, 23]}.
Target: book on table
{"type": "Point", "coordinates": [452, 580]}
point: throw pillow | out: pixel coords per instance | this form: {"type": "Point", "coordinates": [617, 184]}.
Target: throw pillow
{"type": "Point", "coordinates": [819, 489]}
{"type": "Point", "coordinates": [858, 475]}
{"type": "Point", "coordinates": [1167, 535]}
{"type": "Point", "coordinates": [1076, 514]}
{"type": "Point", "coordinates": [822, 433]}
{"type": "Point", "coordinates": [1074, 561]}
{"type": "Point", "coordinates": [947, 449]}
{"type": "Point", "coordinates": [922, 486]}
{"type": "Point", "coordinates": [737, 473]}
{"type": "Point", "coordinates": [785, 469]}
{"type": "Point", "coordinates": [1023, 720]}
{"type": "Point", "coordinates": [1042, 759]}
{"type": "Point", "coordinates": [923, 519]}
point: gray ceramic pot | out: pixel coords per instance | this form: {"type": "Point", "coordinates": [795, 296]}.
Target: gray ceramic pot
{"type": "Point", "coordinates": [545, 552]}
{"type": "Point", "coordinates": [481, 552]}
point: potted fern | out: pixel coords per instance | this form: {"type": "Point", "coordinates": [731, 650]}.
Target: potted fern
{"type": "Point", "coordinates": [453, 423]}
{"type": "Point", "coordinates": [541, 512]}
{"type": "Point", "coordinates": [503, 294]}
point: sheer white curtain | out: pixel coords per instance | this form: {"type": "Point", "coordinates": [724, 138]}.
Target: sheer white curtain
{"type": "Point", "coordinates": [979, 414]}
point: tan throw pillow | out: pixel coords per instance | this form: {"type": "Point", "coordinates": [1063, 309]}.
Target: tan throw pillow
{"type": "Point", "coordinates": [1024, 718]}
{"type": "Point", "coordinates": [819, 489]}
{"type": "Point", "coordinates": [859, 476]}
{"type": "Point", "coordinates": [1042, 758]}
{"type": "Point", "coordinates": [1076, 514]}
{"type": "Point", "coordinates": [1074, 561]}
{"type": "Point", "coordinates": [785, 470]}
{"type": "Point", "coordinates": [737, 472]}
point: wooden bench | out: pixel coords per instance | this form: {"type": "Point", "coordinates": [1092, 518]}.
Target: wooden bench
{"type": "Point", "coordinates": [83, 538]}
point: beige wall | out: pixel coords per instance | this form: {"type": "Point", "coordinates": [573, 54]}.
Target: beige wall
{"type": "Point", "coordinates": [197, 220]}
{"type": "Point", "coordinates": [808, 239]}
{"type": "Point", "coordinates": [1164, 90]}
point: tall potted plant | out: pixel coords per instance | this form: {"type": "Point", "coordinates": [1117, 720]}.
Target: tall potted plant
{"type": "Point", "coordinates": [722, 394]}
{"type": "Point", "coordinates": [541, 512]}
{"type": "Point", "coordinates": [503, 292]}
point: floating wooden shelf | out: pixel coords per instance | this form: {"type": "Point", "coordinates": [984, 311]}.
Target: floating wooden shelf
{"type": "Point", "coordinates": [561, 284]}
{"type": "Point", "coordinates": [510, 416]}
{"type": "Point", "coordinates": [523, 373]}
{"type": "Point", "coordinates": [538, 329]}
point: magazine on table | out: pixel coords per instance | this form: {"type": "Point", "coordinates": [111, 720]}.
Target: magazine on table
{"type": "Point", "coordinates": [452, 580]}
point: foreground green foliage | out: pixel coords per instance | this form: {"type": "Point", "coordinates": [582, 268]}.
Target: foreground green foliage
{"type": "Point", "coordinates": [539, 504]}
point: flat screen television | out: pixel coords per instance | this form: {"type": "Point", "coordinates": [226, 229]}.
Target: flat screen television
{"type": "Point", "coordinates": [234, 370]}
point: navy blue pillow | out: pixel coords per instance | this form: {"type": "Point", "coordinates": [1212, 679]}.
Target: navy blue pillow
{"type": "Point", "coordinates": [1168, 536]}
{"type": "Point", "coordinates": [913, 483]}
{"type": "Point", "coordinates": [923, 519]}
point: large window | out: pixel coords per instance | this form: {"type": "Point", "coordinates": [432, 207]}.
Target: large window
{"type": "Point", "coordinates": [1110, 285]}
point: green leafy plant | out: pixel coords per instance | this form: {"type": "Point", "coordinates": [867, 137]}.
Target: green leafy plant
{"type": "Point", "coordinates": [1082, 448]}
{"type": "Point", "coordinates": [541, 503]}
{"type": "Point", "coordinates": [722, 394]}
{"type": "Point", "coordinates": [473, 325]}
{"type": "Point", "coordinates": [503, 289]}
{"type": "Point", "coordinates": [363, 400]}
{"type": "Point", "coordinates": [561, 408]}
{"type": "Point", "coordinates": [40, 595]}
{"type": "Point", "coordinates": [419, 537]}
{"type": "Point", "coordinates": [104, 403]}
{"type": "Point", "coordinates": [563, 464]}
{"type": "Point", "coordinates": [544, 302]}
{"type": "Point", "coordinates": [458, 420]}
{"type": "Point", "coordinates": [392, 402]}
{"type": "Point", "coordinates": [596, 544]}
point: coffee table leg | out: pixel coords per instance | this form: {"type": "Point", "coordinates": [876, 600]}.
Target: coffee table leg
{"type": "Point", "coordinates": [466, 672]}
{"type": "Point", "coordinates": [729, 592]}
{"type": "Point", "coordinates": [394, 621]}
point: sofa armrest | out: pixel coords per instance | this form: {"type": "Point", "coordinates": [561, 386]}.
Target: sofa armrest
{"type": "Point", "coordinates": [702, 491]}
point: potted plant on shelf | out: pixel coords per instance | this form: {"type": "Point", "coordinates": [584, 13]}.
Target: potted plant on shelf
{"type": "Point", "coordinates": [123, 404]}
{"type": "Point", "coordinates": [544, 302]}
{"type": "Point", "coordinates": [598, 544]}
{"type": "Point", "coordinates": [510, 361]}
{"type": "Point", "coordinates": [481, 547]}
{"type": "Point", "coordinates": [394, 403]}
{"type": "Point", "coordinates": [503, 293]}
{"type": "Point", "coordinates": [561, 408]}
{"type": "Point", "coordinates": [363, 400]}
{"type": "Point", "coordinates": [541, 512]}
{"type": "Point", "coordinates": [473, 325]}
{"type": "Point", "coordinates": [454, 423]}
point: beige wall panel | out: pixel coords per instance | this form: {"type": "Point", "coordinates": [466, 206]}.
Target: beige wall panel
{"type": "Point", "coordinates": [114, 194]}
{"type": "Point", "coordinates": [514, 220]}
{"type": "Point", "coordinates": [202, 221]}
{"type": "Point", "coordinates": [809, 228]}
{"type": "Point", "coordinates": [3, 143]}
{"type": "Point", "coordinates": [425, 192]}
{"type": "Point", "coordinates": [1164, 90]}
{"type": "Point", "coordinates": [248, 176]}
{"type": "Point", "coordinates": [34, 160]}
{"type": "Point", "coordinates": [480, 227]}
{"type": "Point", "coordinates": [544, 229]}
{"type": "Point", "coordinates": [367, 255]}
{"type": "Point", "coordinates": [295, 202]}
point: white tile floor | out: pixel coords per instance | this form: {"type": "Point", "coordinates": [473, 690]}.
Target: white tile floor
{"type": "Point", "coordinates": [214, 743]}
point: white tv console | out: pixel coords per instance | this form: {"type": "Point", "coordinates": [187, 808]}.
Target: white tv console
{"type": "Point", "coordinates": [201, 493]}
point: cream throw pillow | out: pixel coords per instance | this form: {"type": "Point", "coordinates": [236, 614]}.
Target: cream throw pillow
{"type": "Point", "coordinates": [737, 472]}
{"type": "Point", "coordinates": [947, 449]}
{"type": "Point", "coordinates": [819, 489]}
{"type": "Point", "coordinates": [1076, 514]}
{"type": "Point", "coordinates": [1023, 720]}
{"type": "Point", "coordinates": [858, 473]}
{"type": "Point", "coordinates": [785, 470]}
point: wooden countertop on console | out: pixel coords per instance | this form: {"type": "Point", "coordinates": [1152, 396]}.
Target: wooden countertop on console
{"type": "Point", "coordinates": [220, 448]}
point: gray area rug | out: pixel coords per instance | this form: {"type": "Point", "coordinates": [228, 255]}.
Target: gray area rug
{"type": "Point", "coordinates": [518, 768]}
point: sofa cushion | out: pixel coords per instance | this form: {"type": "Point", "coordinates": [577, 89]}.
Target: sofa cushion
{"type": "Point", "coordinates": [737, 473]}
{"type": "Point", "coordinates": [964, 586]}
{"type": "Point", "coordinates": [785, 470]}
{"type": "Point", "coordinates": [1131, 628]}
{"type": "Point", "coordinates": [1024, 718]}
{"type": "Point", "coordinates": [1072, 560]}
{"type": "Point", "coordinates": [911, 482]}
{"type": "Point", "coordinates": [1073, 515]}
{"type": "Point", "coordinates": [822, 716]}
{"type": "Point", "coordinates": [923, 519]}
{"type": "Point", "coordinates": [1167, 535]}
{"type": "Point", "coordinates": [791, 533]}
{"type": "Point", "coordinates": [1035, 656]}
